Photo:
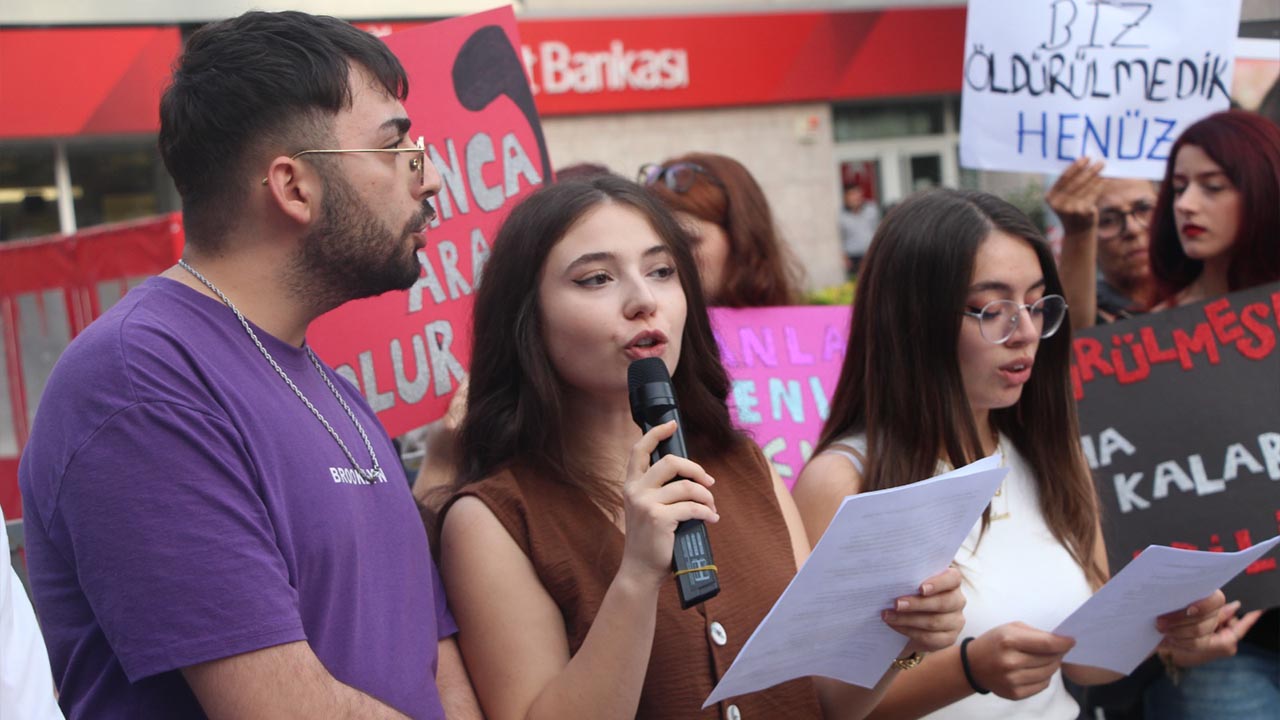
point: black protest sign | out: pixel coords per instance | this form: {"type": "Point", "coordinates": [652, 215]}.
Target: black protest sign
{"type": "Point", "coordinates": [1180, 419]}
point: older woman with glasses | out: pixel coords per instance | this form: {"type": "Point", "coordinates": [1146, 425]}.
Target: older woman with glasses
{"type": "Point", "coordinates": [1106, 260]}
{"type": "Point", "coordinates": [958, 350]}
{"type": "Point", "coordinates": [741, 259]}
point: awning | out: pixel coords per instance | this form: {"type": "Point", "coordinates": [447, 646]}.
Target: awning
{"type": "Point", "coordinates": [65, 82]}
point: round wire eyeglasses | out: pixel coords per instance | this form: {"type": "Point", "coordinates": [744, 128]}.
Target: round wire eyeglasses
{"type": "Point", "coordinates": [998, 319]}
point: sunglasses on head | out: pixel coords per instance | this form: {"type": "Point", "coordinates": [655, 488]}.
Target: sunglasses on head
{"type": "Point", "coordinates": [678, 177]}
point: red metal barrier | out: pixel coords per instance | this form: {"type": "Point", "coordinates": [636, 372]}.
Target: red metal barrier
{"type": "Point", "coordinates": [50, 290]}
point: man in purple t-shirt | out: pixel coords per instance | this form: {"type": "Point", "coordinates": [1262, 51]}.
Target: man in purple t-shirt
{"type": "Point", "coordinates": [216, 522]}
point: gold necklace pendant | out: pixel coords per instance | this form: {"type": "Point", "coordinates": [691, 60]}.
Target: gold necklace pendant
{"type": "Point", "coordinates": [1004, 459]}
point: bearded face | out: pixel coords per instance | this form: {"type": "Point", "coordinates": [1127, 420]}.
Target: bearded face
{"type": "Point", "coordinates": [352, 253]}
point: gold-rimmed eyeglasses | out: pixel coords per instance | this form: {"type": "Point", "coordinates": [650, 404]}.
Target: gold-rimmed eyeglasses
{"type": "Point", "coordinates": [417, 161]}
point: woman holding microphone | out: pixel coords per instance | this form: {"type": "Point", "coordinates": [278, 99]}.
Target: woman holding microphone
{"type": "Point", "coordinates": [557, 543]}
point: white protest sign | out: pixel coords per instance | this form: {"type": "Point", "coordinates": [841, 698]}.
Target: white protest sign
{"type": "Point", "coordinates": [1048, 81]}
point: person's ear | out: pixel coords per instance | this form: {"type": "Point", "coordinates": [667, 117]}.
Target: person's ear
{"type": "Point", "coordinates": [295, 189]}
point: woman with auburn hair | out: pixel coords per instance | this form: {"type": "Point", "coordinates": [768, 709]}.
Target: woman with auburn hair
{"type": "Point", "coordinates": [1217, 230]}
{"type": "Point", "coordinates": [958, 301]}
{"type": "Point", "coordinates": [741, 258]}
{"type": "Point", "coordinates": [557, 542]}
{"type": "Point", "coordinates": [1217, 226]}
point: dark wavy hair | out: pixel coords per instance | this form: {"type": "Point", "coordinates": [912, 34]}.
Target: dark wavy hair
{"type": "Point", "coordinates": [515, 410]}
{"type": "Point", "coordinates": [761, 270]}
{"type": "Point", "coordinates": [1247, 148]}
{"type": "Point", "coordinates": [901, 384]}
{"type": "Point", "coordinates": [263, 82]}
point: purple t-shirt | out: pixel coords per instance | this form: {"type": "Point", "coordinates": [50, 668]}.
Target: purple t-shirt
{"type": "Point", "coordinates": [183, 505]}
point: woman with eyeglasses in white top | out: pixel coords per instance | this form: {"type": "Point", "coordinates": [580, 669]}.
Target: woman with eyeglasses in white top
{"type": "Point", "coordinates": [958, 349]}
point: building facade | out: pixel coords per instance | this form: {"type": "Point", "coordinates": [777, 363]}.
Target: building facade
{"type": "Point", "coordinates": [809, 96]}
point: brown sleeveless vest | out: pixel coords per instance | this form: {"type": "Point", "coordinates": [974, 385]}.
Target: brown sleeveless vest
{"type": "Point", "coordinates": [576, 552]}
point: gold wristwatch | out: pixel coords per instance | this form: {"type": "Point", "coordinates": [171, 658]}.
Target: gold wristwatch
{"type": "Point", "coordinates": [910, 661]}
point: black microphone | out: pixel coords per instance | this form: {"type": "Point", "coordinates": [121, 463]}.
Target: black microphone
{"type": "Point", "coordinates": [653, 402]}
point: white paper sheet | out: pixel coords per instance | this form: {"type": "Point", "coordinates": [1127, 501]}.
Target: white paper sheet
{"type": "Point", "coordinates": [1116, 628]}
{"type": "Point", "coordinates": [880, 546]}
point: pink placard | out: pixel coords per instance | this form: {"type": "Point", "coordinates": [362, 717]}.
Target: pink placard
{"type": "Point", "coordinates": [407, 351]}
{"type": "Point", "coordinates": [784, 363]}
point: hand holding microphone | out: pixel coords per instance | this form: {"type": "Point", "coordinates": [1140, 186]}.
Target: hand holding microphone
{"type": "Point", "coordinates": [670, 500]}
{"type": "Point", "coordinates": [656, 498]}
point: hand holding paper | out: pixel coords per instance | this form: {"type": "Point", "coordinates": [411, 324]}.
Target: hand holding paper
{"type": "Point", "coordinates": [1116, 628]}
{"type": "Point", "coordinates": [1015, 660]}
{"type": "Point", "coordinates": [931, 619]}
{"type": "Point", "coordinates": [1218, 635]}
{"type": "Point", "coordinates": [879, 547]}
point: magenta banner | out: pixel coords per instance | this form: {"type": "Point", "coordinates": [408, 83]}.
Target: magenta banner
{"type": "Point", "coordinates": [784, 363]}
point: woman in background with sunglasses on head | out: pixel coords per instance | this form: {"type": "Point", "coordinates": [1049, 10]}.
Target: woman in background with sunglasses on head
{"type": "Point", "coordinates": [741, 259]}
{"type": "Point", "coordinates": [957, 303]}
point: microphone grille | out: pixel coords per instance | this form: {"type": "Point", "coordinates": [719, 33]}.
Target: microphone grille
{"type": "Point", "coordinates": [646, 370]}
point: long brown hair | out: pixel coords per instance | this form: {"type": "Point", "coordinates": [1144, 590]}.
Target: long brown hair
{"type": "Point", "coordinates": [515, 404]}
{"type": "Point", "coordinates": [1247, 148]}
{"type": "Point", "coordinates": [901, 384]}
{"type": "Point", "coordinates": [761, 270]}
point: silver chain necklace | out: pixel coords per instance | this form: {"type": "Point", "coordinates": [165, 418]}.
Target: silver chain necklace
{"type": "Point", "coordinates": [372, 475]}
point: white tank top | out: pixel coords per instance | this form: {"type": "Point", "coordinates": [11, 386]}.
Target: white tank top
{"type": "Point", "coordinates": [1019, 572]}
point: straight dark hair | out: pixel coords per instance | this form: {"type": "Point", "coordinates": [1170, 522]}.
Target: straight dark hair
{"type": "Point", "coordinates": [901, 384]}
{"type": "Point", "coordinates": [761, 271]}
{"type": "Point", "coordinates": [263, 82]}
{"type": "Point", "coordinates": [515, 411]}
{"type": "Point", "coordinates": [1247, 148]}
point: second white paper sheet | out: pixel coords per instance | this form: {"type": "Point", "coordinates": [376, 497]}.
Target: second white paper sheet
{"type": "Point", "coordinates": [1116, 628]}
{"type": "Point", "coordinates": [880, 546]}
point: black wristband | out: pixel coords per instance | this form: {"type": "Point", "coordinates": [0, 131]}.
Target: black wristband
{"type": "Point", "coordinates": [968, 671]}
